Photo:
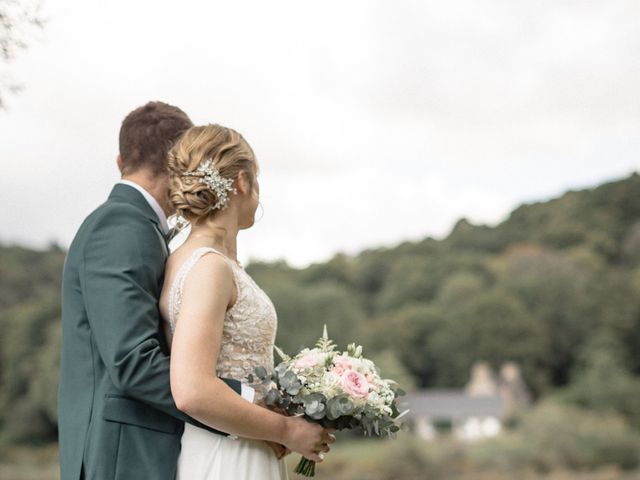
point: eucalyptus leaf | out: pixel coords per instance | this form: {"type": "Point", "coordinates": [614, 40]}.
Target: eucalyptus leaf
{"type": "Point", "coordinates": [261, 372]}
{"type": "Point", "coordinates": [289, 379]}
{"type": "Point", "coordinates": [272, 398]}
{"type": "Point", "coordinates": [333, 409]}
{"type": "Point", "coordinates": [367, 425]}
{"type": "Point", "coordinates": [346, 405]}
{"type": "Point", "coordinates": [281, 369]}
{"type": "Point", "coordinates": [315, 409]}
{"type": "Point", "coordinates": [314, 397]}
{"type": "Point", "coordinates": [294, 389]}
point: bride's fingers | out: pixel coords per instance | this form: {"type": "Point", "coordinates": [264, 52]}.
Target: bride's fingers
{"type": "Point", "coordinates": [329, 438]}
{"type": "Point", "coordinates": [278, 449]}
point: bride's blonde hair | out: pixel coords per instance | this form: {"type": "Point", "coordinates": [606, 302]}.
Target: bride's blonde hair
{"type": "Point", "coordinates": [230, 154]}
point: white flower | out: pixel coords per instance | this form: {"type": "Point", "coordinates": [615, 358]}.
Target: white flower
{"type": "Point", "coordinates": [330, 379]}
{"type": "Point", "coordinates": [373, 398]}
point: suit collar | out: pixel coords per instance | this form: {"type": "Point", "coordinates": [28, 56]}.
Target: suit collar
{"type": "Point", "coordinates": [150, 199]}
{"type": "Point", "coordinates": [128, 194]}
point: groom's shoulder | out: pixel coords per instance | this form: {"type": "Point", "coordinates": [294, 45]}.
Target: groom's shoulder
{"type": "Point", "coordinates": [116, 212]}
{"type": "Point", "coordinates": [119, 210]}
{"type": "Point", "coordinates": [114, 215]}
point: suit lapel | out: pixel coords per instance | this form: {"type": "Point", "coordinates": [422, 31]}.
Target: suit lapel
{"type": "Point", "coordinates": [163, 240]}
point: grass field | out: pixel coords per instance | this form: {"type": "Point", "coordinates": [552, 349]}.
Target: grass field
{"type": "Point", "coordinates": [349, 460]}
{"type": "Point", "coordinates": [408, 459]}
{"type": "Point", "coordinates": [29, 463]}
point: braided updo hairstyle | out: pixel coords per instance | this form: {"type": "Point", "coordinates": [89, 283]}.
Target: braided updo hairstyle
{"type": "Point", "coordinates": [230, 154]}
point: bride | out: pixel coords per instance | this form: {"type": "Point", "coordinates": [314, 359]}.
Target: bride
{"type": "Point", "coordinates": [218, 320]}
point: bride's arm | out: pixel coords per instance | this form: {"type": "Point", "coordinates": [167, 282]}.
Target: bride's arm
{"type": "Point", "coordinates": [194, 350]}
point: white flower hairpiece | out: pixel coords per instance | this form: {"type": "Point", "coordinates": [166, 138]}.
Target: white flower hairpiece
{"type": "Point", "coordinates": [210, 176]}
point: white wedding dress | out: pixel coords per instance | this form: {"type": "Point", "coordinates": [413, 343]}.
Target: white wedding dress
{"type": "Point", "coordinates": [247, 342]}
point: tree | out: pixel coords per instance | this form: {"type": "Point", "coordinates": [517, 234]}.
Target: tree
{"type": "Point", "coordinates": [29, 350]}
{"type": "Point", "coordinates": [561, 296]}
{"type": "Point", "coordinates": [304, 309]}
{"type": "Point", "coordinates": [600, 380]}
{"type": "Point", "coordinates": [408, 333]}
{"type": "Point", "coordinates": [493, 326]}
{"type": "Point", "coordinates": [18, 19]}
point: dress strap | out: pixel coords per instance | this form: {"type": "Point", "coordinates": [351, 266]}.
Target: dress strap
{"type": "Point", "coordinates": [175, 294]}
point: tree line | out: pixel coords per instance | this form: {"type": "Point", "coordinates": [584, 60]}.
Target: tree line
{"type": "Point", "coordinates": [555, 287]}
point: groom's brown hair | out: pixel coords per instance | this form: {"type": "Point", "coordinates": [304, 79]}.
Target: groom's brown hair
{"type": "Point", "coordinates": [147, 134]}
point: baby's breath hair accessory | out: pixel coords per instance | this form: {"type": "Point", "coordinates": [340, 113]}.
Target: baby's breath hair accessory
{"type": "Point", "coordinates": [210, 176]}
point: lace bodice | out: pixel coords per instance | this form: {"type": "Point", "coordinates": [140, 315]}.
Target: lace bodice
{"type": "Point", "coordinates": [249, 327]}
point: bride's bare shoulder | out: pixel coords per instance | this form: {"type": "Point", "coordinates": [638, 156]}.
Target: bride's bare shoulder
{"type": "Point", "coordinates": [210, 272]}
{"type": "Point", "coordinates": [209, 283]}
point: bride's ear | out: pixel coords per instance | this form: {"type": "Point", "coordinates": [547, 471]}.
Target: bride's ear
{"type": "Point", "coordinates": [242, 183]}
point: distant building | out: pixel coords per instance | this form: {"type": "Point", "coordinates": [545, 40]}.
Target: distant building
{"type": "Point", "coordinates": [476, 412]}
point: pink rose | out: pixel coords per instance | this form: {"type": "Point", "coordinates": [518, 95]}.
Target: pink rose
{"type": "Point", "coordinates": [344, 362]}
{"type": "Point", "coordinates": [355, 384]}
{"type": "Point", "coordinates": [310, 360]}
{"type": "Point", "coordinates": [341, 364]}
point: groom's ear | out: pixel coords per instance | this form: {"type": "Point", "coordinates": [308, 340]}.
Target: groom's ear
{"type": "Point", "coordinates": [120, 164]}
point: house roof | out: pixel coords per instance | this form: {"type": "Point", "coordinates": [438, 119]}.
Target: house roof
{"type": "Point", "coordinates": [452, 404]}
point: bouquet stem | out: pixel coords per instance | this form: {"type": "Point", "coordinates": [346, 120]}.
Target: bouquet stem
{"type": "Point", "coordinates": [306, 467]}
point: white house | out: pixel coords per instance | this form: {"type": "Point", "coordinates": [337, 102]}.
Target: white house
{"type": "Point", "coordinates": [476, 412]}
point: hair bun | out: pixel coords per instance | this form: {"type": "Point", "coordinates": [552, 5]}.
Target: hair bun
{"type": "Point", "coordinates": [228, 152]}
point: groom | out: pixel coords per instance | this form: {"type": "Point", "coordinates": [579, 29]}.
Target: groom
{"type": "Point", "coordinates": [117, 418]}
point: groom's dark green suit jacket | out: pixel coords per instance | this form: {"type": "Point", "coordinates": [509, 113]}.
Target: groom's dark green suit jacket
{"type": "Point", "coordinates": [117, 419]}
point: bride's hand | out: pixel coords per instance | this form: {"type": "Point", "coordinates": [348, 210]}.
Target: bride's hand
{"type": "Point", "coordinates": [280, 450]}
{"type": "Point", "coordinates": [301, 433]}
{"type": "Point", "coordinates": [309, 439]}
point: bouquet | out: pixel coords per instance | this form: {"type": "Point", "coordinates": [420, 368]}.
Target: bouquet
{"type": "Point", "coordinates": [341, 390]}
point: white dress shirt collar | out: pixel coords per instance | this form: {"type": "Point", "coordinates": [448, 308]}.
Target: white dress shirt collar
{"type": "Point", "coordinates": [153, 203]}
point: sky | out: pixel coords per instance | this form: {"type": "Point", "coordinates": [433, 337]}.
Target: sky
{"type": "Point", "coordinates": [374, 122]}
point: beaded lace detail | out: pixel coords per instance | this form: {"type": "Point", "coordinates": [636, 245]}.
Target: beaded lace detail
{"type": "Point", "coordinates": [250, 325]}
